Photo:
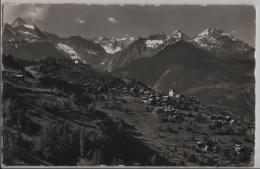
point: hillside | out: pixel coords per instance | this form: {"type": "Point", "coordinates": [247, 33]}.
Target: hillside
{"type": "Point", "coordinates": [186, 59]}
{"type": "Point", "coordinates": [183, 66]}
{"type": "Point", "coordinates": [60, 113]}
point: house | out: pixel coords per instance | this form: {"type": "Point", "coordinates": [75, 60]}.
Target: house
{"type": "Point", "coordinates": [147, 93]}
{"type": "Point", "coordinates": [237, 149]}
{"type": "Point", "coordinates": [171, 92]}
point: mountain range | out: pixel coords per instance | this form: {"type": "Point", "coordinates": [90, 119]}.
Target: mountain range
{"type": "Point", "coordinates": [210, 62]}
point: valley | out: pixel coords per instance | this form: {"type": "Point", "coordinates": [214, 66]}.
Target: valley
{"type": "Point", "coordinates": [162, 100]}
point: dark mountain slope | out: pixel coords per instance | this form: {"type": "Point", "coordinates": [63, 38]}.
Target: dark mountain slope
{"type": "Point", "coordinates": [194, 71]}
{"type": "Point", "coordinates": [133, 51]}
{"type": "Point", "coordinates": [37, 51]}
{"type": "Point", "coordinates": [187, 66]}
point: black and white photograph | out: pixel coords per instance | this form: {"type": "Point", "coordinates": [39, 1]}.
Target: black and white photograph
{"type": "Point", "coordinates": [128, 85]}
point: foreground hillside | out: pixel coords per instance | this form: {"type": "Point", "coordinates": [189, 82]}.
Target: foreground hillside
{"type": "Point", "coordinates": [57, 112]}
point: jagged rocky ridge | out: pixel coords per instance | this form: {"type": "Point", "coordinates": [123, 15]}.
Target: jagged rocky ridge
{"type": "Point", "coordinates": [223, 44]}
{"type": "Point", "coordinates": [142, 47]}
{"type": "Point", "coordinates": [113, 45]}
{"type": "Point", "coordinates": [29, 42]}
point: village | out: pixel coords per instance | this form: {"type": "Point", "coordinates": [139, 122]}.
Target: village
{"type": "Point", "coordinates": [190, 115]}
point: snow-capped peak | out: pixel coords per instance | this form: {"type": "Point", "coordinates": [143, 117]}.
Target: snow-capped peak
{"type": "Point", "coordinates": [178, 35]}
{"type": "Point", "coordinates": [216, 40]}
{"type": "Point", "coordinates": [20, 22]}
{"type": "Point", "coordinates": [213, 32]}
{"type": "Point", "coordinates": [209, 36]}
{"type": "Point", "coordinates": [17, 22]}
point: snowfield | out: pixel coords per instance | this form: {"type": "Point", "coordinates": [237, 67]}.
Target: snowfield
{"type": "Point", "coordinates": [29, 26]}
{"type": "Point", "coordinates": [108, 49]}
{"type": "Point", "coordinates": [153, 43]}
{"type": "Point", "coordinates": [30, 34]}
{"type": "Point", "coordinates": [68, 50]}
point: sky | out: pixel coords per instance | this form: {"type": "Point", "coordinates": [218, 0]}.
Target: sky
{"type": "Point", "coordinates": [117, 21]}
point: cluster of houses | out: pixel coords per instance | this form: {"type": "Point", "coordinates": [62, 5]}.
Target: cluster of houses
{"type": "Point", "coordinates": [169, 114]}
{"type": "Point", "coordinates": [165, 106]}
{"type": "Point", "coordinates": [232, 153]}
{"type": "Point", "coordinates": [227, 125]}
{"type": "Point", "coordinates": [168, 108]}
{"type": "Point", "coordinates": [206, 146]}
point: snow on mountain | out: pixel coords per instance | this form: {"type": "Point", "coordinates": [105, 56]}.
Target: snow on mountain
{"type": "Point", "coordinates": [222, 44]}
{"type": "Point", "coordinates": [111, 50]}
{"type": "Point", "coordinates": [177, 35]}
{"type": "Point", "coordinates": [29, 34]}
{"type": "Point", "coordinates": [20, 22]}
{"type": "Point", "coordinates": [153, 43]}
{"type": "Point", "coordinates": [29, 26]}
{"type": "Point", "coordinates": [156, 41]}
{"type": "Point", "coordinates": [36, 45]}
{"type": "Point", "coordinates": [161, 40]}
{"type": "Point", "coordinates": [208, 37]}
{"type": "Point", "coordinates": [68, 50]}
{"type": "Point", "coordinates": [22, 33]}
{"type": "Point", "coordinates": [126, 38]}
{"type": "Point", "coordinates": [113, 45]}
{"type": "Point", "coordinates": [142, 47]}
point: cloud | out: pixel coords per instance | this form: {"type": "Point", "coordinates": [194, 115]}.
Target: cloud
{"type": "Point", "coordinates": [80, 21]}
{"type": "Point", "coordinates": [112, 20]}
{"type": "Point", "coordinates": [32, 12]}
{"type": "Point", "coordinates": [36, 13]}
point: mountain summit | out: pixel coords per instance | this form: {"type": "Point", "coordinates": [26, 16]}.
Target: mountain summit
{"type": "Point", "coordinates": [209, 35]}
{"type": "Point", "coordinates": [17, 22]}
{"type": "Point", "coordinates": [223, 44]}
{"type": "Point", "coordinates": [179, 35]}
{"type": "Point", "coordinates": [213, 32]}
